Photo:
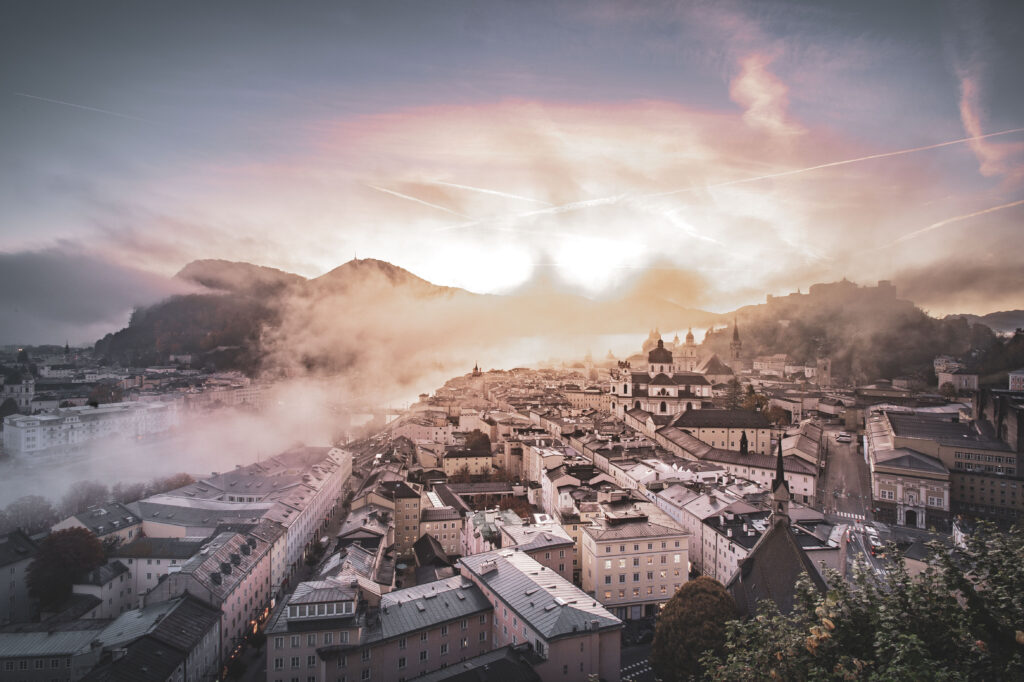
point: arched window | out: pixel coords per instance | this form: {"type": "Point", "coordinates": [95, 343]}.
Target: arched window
{"type": "Point", "coordinates": [664, 406]}
{"type": "Point", "coordinates": [637, 405]}
{"type": "Point", "coordinates": [625, 389]}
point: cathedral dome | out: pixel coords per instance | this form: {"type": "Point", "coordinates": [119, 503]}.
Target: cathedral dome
{"type": "Point", "coordinates": [660, 355]}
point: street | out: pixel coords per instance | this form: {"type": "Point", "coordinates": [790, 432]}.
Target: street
{"type": "Point", "coordinates": [845, 490]}
{"type": "Point", "coordinates": [636, 664]}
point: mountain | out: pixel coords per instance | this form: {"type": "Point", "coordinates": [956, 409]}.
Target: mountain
{"type": "Point", "coordinates": [239, 278]}
{"type": "Point", "coordinates": [1003, 322]}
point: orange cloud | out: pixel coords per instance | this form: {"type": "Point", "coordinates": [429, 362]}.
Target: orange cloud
{"type": "Point", "coordinates": [764, 96]}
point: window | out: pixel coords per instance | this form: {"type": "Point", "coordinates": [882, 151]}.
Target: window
{"type": "Point", "coordinates": [423, 636]}
{"type": "Point", "coordinates": [278, 664]}
{"type": "Point", "coordinates": [607, 580]}
{"type": "Point", "coordinates": [310, 661]}
{"type": "Point", "coordinates": [295, 641]}
{"type": "Point", "coordinates": [423, 655]}
{"type": "Point", "coordinates": [401, 643]}
{"type": "Point", "coordinates": [483, 636]}
{"type": "Point", "coordinates": [401, 663]}
{"type": "Point", "coordinates": [366, 655]}
{"type": "Point", "coordinates": [365, 675]}
{"type": "Point", "coordinates": [608, 564]}
{"type": "Point", "coordinates": [295, 661]}
{"type": "Point", "coordinates": [328, 638]}
{"type": "Point", "coordinates": [311, 640]}
{"type": "Point", "coordinates": [279, 642]}
{"type": "Point", "coordinates": [444, 630]}
{"type": "Point", "coordinates": [483, 619]}
{"type": "Point", "coordinates": [465, 642]}
{"type": "Point", "coordinates": [444, 648]}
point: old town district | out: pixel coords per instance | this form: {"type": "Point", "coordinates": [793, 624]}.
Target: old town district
{"type": "Point", "coordinates": [523, 524]}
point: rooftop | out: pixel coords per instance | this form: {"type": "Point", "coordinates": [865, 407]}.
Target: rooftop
{"type": "Point", "coordinates": [551, 605]}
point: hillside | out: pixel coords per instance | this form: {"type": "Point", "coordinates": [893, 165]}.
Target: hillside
{"type": "Point", "coordinates": [1003, 322]}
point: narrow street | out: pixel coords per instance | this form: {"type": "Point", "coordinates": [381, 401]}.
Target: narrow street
{"type": "Point", "coordinates": [636, 664]}
{"type": "Point", "coordinates": [846, 488]}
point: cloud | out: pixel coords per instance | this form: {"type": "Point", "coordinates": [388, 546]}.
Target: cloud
{"type": "Point", "coordinates": [963, 284]}
{"type": "Point", "coordinates": [54, 295]}
{"type": "Point", "coordinates": [763, 95]}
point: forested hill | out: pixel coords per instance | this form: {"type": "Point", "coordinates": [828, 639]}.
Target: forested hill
{"type": "Point", "coordinates": [868, 332]}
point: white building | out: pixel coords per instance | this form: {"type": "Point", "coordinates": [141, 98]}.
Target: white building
{"type": "Point", "coordinates": [65, 429]}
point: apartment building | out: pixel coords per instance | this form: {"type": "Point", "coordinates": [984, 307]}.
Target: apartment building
{"type": "Point", "coordinates": [633, 564]}
{"type": "Point", "coordinates": [572, 634]}
{"type": "Point", "coordinates": [232, 573]}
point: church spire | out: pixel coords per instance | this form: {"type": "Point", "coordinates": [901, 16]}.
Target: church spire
{"type": "Point", "coordinates": [780, 490]}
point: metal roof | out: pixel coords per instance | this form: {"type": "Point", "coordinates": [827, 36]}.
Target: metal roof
{"type": "Point", "coordinates": [423, 606]}
{"type": "Point", "coordinates": [550, 604]}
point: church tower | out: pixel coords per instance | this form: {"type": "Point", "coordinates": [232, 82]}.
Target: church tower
{"type": "Point", "coordinates": [736, 346]}
{"type": "Point", "coordinates": [780, 491]}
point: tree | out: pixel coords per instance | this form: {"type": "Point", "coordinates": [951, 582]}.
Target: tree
{"type": "Point", "coordinates": [63, 557]}
{"type": "Point", "coordinates": [105, 393]}
{"type": "Point", "coordinates": [127, 492]}
{"type": "Point", "coordinates": [692, 622]}
{"type": "Point", "coordinates": [948, 390]}
{"type": "Point", "coordinates": [776, 415]}
{"type": "Point", "coordinates": [8, 407]}
{"type": "Point", "coordinates": [31, 513]}
{"type": "Point", "coordinates": [733, 394]}
{"type": "Point", "coordinates": [461, 476]}
{"type": "Point", "coordinates": [478, 441]}
{"type": "Point", "coordinates": [172, 482]}
{"type": "Point", "coordinates": [520, 505]}
{"type": "Point", "coordinates": [83, 495]}
{"type": "Point", "coordinates": [958, 620]}
{"type": "Point", "coordinates": [753, 400]}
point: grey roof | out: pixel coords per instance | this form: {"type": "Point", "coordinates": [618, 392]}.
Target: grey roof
{"type": "Point", "coordinates": [715, 418]}
{"type": "Point", "coordinates": [531, 538]}
{"type": "Point", "coordinates": [16, 546]}
{"type": "Point", "coordinates": [906, 458]}
{"type": "Point", "coordinates": [146, 660]}
{"type": "Point", "coordinates": [941, 430]}
{"type": "Point", "coordinates": [321, 591]}
{"type": "Point", "coordinates": [165, 548]}
{"type": "Point", "coordinates": [423, 606]}
{"type": "Point", "coordinates": [551, 605]}
{"type": "Point", "coordinates": [104, 574]}
{"type": "Point", "coordinates": [771, 569]}
{"type": "Point", "coordinates": [791, 463]}
{"type": "Point", "coordinates": [439, 514]}
{"type": "Point", "coordinates": [46, 643]}
{"type": "Point", "coordinates": [221, 550]}
{"type": "Point", "coordinates": [429, 552]}
{"type": "Point", "coordinates": [133, 624]}
{"type": "Point", "coordinates": [506, 664]}
{"type": "Point", "coordinates": [108, 518]}
{"type": "Point", "coordinates": [622, 529]}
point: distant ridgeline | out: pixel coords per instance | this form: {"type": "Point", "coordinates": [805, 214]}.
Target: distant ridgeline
{"type": "Point", "coordinates": [867, 332]}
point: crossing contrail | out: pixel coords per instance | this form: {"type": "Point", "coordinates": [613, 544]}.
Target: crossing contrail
{"type": "Point", "coordinates": [947, 221]}
{"type": "Point", "coordinates": [831, 164]}
{"type": "Point", "coordinates": [493, 192]}
{"type": "Point", "coordinates": [81, 106]}
{"type": "Point", "coordinates": [418, 201]}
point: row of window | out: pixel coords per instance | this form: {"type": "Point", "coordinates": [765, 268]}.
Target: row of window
{"type": "Point", "coordinates": [38, 664]}
{"type": "Point", "coordinates": [662, 589]}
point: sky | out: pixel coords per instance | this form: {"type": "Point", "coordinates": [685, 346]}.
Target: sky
{"type": "Point", "coordinates": [752, 148]}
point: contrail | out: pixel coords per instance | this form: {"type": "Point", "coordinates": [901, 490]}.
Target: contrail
{"type": "Point", "coordinates": [82, 106]}
{"type": "Point", "coordinates": [947, 221]}
{"type": "Point", "coordinates": [881, 155]}
{"type": "Point", "coordinates": [493, 192]}
{"type": "Point", "coordinates": [418, 201]}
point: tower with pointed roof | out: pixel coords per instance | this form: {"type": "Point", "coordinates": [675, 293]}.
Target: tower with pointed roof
{"type": "Point", "coordinates": [780, 491]}
{"type": "Point", "coordinates": [736, 346]}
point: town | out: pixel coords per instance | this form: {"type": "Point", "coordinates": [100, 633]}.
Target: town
{"type": "Point", "coordinates": [514, 524]}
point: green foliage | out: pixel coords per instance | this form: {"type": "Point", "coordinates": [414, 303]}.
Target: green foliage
{"type": "Point", "coordinates": [692, 622]}
{"type": "Point", "coordinates": [199, 324]}
{"type": "Point", "coordinates": [8, 407]}
{"type": "Point", "coordinates": [478, 441]}
{"type": "Point", "coordinates": [63, 557]}
{"type": "Point", "coordinates": [959, 620]}
{"type": "Point", "coordinates": [734, 394]}
{"type": "Point", "coordinates": [31, 513]}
